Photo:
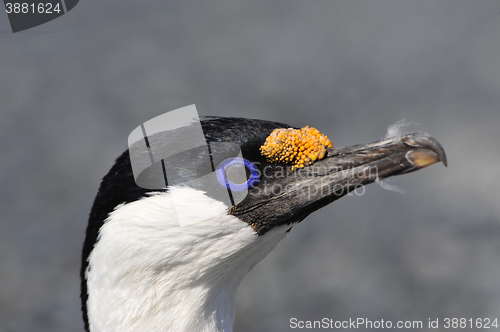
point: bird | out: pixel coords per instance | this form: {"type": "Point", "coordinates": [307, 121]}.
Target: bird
{"type": "Point", "coordinates": [142, 270]}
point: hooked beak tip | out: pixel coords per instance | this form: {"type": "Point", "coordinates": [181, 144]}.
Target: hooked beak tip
{"type": "Point", "coordinates": [430, 153]}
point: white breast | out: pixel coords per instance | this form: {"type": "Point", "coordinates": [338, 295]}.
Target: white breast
{"type": "Point", "coordinates": [149, 273]}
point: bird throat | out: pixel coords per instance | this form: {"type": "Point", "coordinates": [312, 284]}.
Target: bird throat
{"type": "Point", "coordinates": [149, 273]}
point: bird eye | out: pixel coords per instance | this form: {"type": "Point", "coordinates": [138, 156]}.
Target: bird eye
{"type": "Point", "coordinates": [237, 174]}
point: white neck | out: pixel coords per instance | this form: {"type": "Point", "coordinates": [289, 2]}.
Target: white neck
{"type": "Point", "coordinates": [149, 273]}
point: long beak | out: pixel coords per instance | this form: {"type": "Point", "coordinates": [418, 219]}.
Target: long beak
{"type": "Point", "coordinates": [289, 199]}
{"type": "Point", "coordinates": [394, 156]}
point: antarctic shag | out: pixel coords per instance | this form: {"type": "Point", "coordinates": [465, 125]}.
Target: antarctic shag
{"type": "Point", "coordinates": [143, 271]}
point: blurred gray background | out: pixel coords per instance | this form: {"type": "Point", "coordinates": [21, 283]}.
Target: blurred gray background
{"type": "Point", "coordinates": [73, 89]}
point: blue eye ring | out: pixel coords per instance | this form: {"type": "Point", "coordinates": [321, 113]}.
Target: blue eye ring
{"type": "Point", "coordinates": [223, 180]}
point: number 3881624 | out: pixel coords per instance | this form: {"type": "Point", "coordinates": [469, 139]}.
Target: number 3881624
{"type": "Point", "coordinates": [25, 8]}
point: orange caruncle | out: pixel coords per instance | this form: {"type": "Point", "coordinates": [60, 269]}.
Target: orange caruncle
{"type": "Point", "coordinates": [297, 147]}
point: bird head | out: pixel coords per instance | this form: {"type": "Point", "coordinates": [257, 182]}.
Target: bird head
{"type": "Point", "coordinates": [143, 270]}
